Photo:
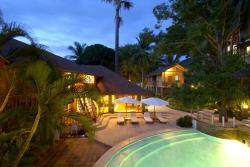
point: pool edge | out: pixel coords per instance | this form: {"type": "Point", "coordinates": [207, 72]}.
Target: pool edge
{"type": "Point", "coordinates": [103, 160]}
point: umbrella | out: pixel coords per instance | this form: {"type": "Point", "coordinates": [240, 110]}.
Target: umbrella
{"type": "Point", "coordinates": [127, 100]}
{"type": "Point", "coordinates": [155, 102]}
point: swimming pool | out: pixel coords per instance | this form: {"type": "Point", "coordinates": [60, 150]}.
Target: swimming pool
{"type": "Point", "coordinates": [186, 148]}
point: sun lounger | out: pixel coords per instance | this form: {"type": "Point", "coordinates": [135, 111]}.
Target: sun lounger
{"type": "Point", "coordinates": [148, 118]}
{"type": "Point", "coordinates": [160, 118]}
{"type": "Point", "coordinates": [134, 119]}
{"type": "Point", "coordinates": [120, 118]}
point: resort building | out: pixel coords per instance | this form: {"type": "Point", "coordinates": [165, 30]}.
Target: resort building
{"type": "Point", "coordinates": [160, 80]}
{"type": "Point", "coordinates": [109, 84]}
{"type": "Point", "coordinates": [240, 38]}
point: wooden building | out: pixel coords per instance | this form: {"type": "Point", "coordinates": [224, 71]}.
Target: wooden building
{"type": "Point", "coordinates": [109, 84]}
{"type": "Point", "coordinates": [160, 80]}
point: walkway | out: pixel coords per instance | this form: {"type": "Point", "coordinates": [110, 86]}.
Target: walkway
{"type": "Point", "coordinates": [75, 152]}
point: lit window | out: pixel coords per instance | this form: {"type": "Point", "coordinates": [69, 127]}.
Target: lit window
{"type": "Point", "coordinates": [176, 77]}
{"type": "Point", "coordinates": [89, 79]}
{"type": "Point", "coordinates": [248, 49]}
{"type": "Point", "coordinates": [228, 48]}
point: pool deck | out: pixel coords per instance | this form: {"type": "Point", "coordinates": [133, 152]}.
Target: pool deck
{"type": "Point", "coordinates": [74, 152]}
{"type": "Point", "coordinates": [118, 136]}
{"type": "Point", "coordinates": [113, 133]}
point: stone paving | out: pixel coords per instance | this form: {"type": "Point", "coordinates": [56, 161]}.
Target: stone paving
{"type": "Point", "coordinates": [78, 152]}
{"type": "Point", "coordinates": [114, 133]}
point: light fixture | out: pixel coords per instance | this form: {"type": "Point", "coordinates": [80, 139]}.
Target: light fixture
{"type": "Point", "coordinates": [176, 77]}
{"type": "Point", "coordinates": [248, 49]}
{"type": "Point", "coordinates": [245, 106]}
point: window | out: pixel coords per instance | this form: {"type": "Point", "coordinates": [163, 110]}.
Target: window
{"type": "Point", "coordinates": [248, 49]}
{"type": "Point", "coordinates": [89, 79]}
{"type": "Point", "coordinates": [176, 78]}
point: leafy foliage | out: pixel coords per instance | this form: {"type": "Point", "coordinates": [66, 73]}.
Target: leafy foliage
{"type": "Point", "coordinates": [201, 30]}
{"type": "Point", "coordinates": [185, 121]}
{"type": "Point", "coordinates": [98, 55]}
{"type": "Point", "coordinates": [77, 51]}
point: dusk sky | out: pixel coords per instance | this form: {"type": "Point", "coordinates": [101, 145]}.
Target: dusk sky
{"type": "Point", "coordinates": [58, 23]}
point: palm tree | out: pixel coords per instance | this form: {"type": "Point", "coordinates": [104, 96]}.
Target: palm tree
{"type": "Point", "coordinates": [167, 60]}
{"type": "Point", "coordinates": [9, 31]}
{"type": "Point", "coordinates": [119, 4]}
{"type": "Point", "coordinates": [142, 57]}
{"type": "Point", "coordinates": [78, 50]}
{"type": "Point", "coordinates": [51, 95]}
{"type": "Point", "coordinates": [128, 67]}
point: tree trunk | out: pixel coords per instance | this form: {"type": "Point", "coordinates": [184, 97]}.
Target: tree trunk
{"type": "Point", "coordinates": [6, 99]}
{"type": "Point", "coordinates": [142, 78]}
{"type": "Point", "coordinates": [117, 27]}
{"type": "Point", "coordinates": [26, 144]}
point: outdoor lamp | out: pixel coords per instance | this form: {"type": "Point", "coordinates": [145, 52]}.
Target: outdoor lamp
{"type": "Point", "coordinates": [245, 106]}
{"type": "Point", "coordinates": [248, 49]}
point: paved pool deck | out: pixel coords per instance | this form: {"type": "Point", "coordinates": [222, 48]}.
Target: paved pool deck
{"type": "Point", "coordinates": [113, 133]}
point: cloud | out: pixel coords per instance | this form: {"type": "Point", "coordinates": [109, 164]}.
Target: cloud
{"type": "Point", "coordinates": [58, 23]}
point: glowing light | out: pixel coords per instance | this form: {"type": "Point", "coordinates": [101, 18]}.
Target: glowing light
{"type": "Point", "coordinates": [245, 106]}
{"type": "Point", "coordinates": [235, 148]}
{"type": "Point", "coordinates": [192, 86]}
{"type": "Point", "coordinates": [67, 73]}
{"type": "Point", "coordinates": [248, 49]}
{"type": "Point", "coordinates": [176, 77]}
{"type": "Point", "coordinates": [116, 107]}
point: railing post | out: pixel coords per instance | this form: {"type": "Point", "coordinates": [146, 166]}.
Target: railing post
{"type": "Point", "coordinates": [194, 123]}
{"type": "Point", "coordinates": [234, 122]}
{"type": "Point", "coordinates": [223, 121]}
{"type": "Point", "coordinates": [212, 121]}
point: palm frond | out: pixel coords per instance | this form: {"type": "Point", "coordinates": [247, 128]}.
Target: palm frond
{"type": "Point", "coordinates": [77, 50]}
{"type": "Point", "coordinates": [5, 137]}
{"type": "Point", "coordinates": [127, 4]}
{"type": "Point", "coordinates": [39, 72]}
{"type": "Point", "coordinates": [11, 30]}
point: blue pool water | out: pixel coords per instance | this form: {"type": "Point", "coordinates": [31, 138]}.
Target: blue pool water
{"type": "Point", "coordinates": [187, 148]}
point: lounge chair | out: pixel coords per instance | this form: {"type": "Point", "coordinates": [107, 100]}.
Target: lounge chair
{"type": "Point", "coordinates": [246, 122]}
{"type": "Point", "coordinates": [120, 118]}
{"type": "Point", "coordinates": [147, 117]}
{"type": "Point", "coordinates": [134, 119]}
{"type": "Point", "coordinates": [160, 118]}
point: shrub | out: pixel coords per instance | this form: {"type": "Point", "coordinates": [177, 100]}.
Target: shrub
{"type": "Point", "coordinates": [185, 121]}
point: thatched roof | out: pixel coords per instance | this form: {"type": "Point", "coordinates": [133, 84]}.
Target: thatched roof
{"type": "Point", "coordinates": [112, 83]}
{"type": "Point", "coordinates": [163, 69]}
{"type": "Point", "coordinates": [108, 82]}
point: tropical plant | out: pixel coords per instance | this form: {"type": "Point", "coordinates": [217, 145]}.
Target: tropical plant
{"type": "Point", "coordinates": [119, 4]}
{"type": "Point", "coordinates": [51, 95]}
{"type": "Point", "coordinates": [11, 30]}
{"type": "Point", "coordinates": [145, 48]}
{"type": "Point", "coordinates": [98, 54]}
{"type": "Point", "coordinates": [185, 121]}
{"type": "Point", "coordinates": [204, 34]}
{"type": "Point", "coordinates": [129, 67]}
{"type": "Point", "coordinates": [77, 51]}
{"type": "Point", "coordinates": [7, 77]}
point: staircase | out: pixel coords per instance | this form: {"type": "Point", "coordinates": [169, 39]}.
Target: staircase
{"type": "Point", "coordinates": [88, 107]}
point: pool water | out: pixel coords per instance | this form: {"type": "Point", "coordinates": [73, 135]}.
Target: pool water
{"type": "Point", "coordinates": [186, 148]}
